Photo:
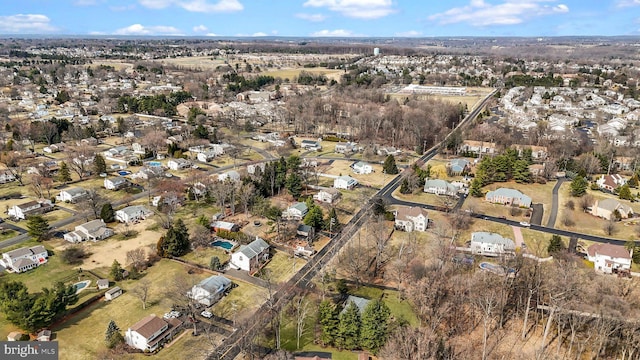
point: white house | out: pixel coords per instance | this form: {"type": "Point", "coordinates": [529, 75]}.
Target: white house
{"type": "Point", "coordinates": [133, 213]}
{"type": "Point", "coordinates": [151, 332]}
{"type": "Point", "coordinates": [491, 244]}
{"type": "Point", "coordinates": [21, 211]}
{"type": "Point", "coordinates": [345, 182]}
{"type": "Point", "coordinates": [440, 187]}
{"type": "Point", "coordinates": [609, 258]}
{"type": "Point", "coordinates": [206, 156]}
{"type": "Point", "coordinates": [231, 175]}
{"type": "Point", "coordinates": [210, 290]}
{"type": "Point", "coordinates": [23, 259]}
{"type": "Point", "coordinates": [252, 168]}
{"type": "Point", "coordinates": [295, 212]}
{"type": "Point", "coordinates": [178, 164]}
{"type": "Point", "coordinates": [6, 176]}
{"type": "Point", "coordinates": [93, 230]}
{"type": "Point", "coordinates": [116, 183]}
{"type": "Point", "coordinates": [329, 195]}
{"type": "Point", "coordinates": [362, 168]}
{"type": "Point", "coordinates": [610, 182]}
{"type": "Point", "coordinates": [112, 293]}
{"type": "Point", "coordinates": [411, 218]}
{"type": "Point", "coordinates": [72, 195]}
{"type": "Point", "coordinates": [250, 257]}
{"type": "Point", "coordinates": [311, 145]}
{"type": "Point", "coordinates": [345, 147]}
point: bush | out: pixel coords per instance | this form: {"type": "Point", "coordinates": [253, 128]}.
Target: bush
{"type": "Point", "coordinates": [570, 205]}
{"type": "Point", "coordinates": [514, 211]}
{"type": "Point", "coordinates": [74, 255]}
{"type": "Point", "coordinates": [567, 220]}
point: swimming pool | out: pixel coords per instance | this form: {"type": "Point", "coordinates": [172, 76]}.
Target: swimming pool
{"type": "Point", "coordinates": [154, 163]}
{"type": "Point", "coordinates": [81, 285]}
{"type": "Point", "coordinates": [123, 173]}
{"type": "Point", "coordinates": [224, 244]}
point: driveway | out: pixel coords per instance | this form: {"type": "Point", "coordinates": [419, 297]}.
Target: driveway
{"type": "Point", "coordinates": [517, 236]}
{"type": "Point", "coordinates": [554, 203]}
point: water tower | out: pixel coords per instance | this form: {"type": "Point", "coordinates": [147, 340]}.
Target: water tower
{"type": "Point", "coordinates": [376, 51]}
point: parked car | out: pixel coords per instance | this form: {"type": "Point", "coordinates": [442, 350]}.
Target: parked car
{"type": "Point", "coordinates": [206, 314]}
{"type": "Point", "coordinates": [525, 224]}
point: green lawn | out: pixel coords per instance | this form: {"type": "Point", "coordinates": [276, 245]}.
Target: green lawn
{"type": "Point", "coordinates": [203, 256]}
{"type": "Point", "coordinates": [400, 309]}
{"type": "Point", "coordinates": [283, 266]}
{"type": "Point", "coordinates": [240, 302]}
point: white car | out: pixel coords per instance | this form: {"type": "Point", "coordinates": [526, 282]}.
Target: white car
{"type": "Point", "coordinates": [206, 314]}
{"type": "Point", "coordinates": [525, 224]}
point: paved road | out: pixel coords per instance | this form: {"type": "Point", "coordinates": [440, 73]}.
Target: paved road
{"type": "Point", "coordinates": [554, 203]}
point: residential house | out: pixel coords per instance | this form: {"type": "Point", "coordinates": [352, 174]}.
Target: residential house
{"type": "Point", "coordinates": [345, 182]}
{"type": "Point", "coordinates": [329, 196]}
{"type": "Point", "coordinates": [345, 147]}
{"type": "Point", "coordinates": [477, 148]}
{"type": "Point", "coordinates": [609, 258]}
{"type": "Point", "coordinates": [606, 209]}
{"type": "Point", "coordinates": [102, 284]}
{"type": "Point", "coordinates": [116, 183]}
{"type": "Point", "coordinates": [208, 291]}
{"type": "Point", "coordinates": [311, 145]}
{"type": "Point", "coordinates": [112, 293]}
{"type": "Point", "coordinates": [72, 195]}
{"type": "Point", "coordinates": [250, 257]}
{"type": "Point", "coordinates": [43, 335]}
{"type": "Point", "coordinates": [491, 244]}
{"type": "Point", "coordinates": [93, 230]}
{"type": "Point", "coordinates": [206, 156]}
{"type": "Point", "coordinates": [457, 167]}
{"type": "Point", "coordinates": [440, 187]}
{"type": "Point", "coordinates": [25, 258]}
{"type": "Point", "coordinates": [151, 332]}
{"type": "Point", "coordinates": [538, 153]}
{"type": "Point", "coordinates": [22, 211]}
{"type": "Point", "coordinates": [412, 218]}
{"type": "Point", "coordinates": [53, 148]}
{"type": "Point", "coordinates": [536, 169]}
{"type": "Point", "coordinates": [388, 150]}
{"type": "Point", "coordinates": [610, 182]}
{"type": "Point", "coordinates": [224, 225]}
{"type": "Point", "coordinates": [149, 172]}
{"type": "Point", "coordinates": [295, 212]}
{"type": "Point", "coordinates": [253, 168]}
{"type": "Point", "coordinates": [6, 176]}
{"type": "Point", "coordinates": [178, 164]}
{"type": "Point", "coordinates": [508, 197]}
{"type": "Point", "coordinates": [360, 303]}
{"type": "Point", "coordinates": [362, 168]}
{"type": "Point", "coordinates": [133, 213]}
{"type": "Point", "coordinates": [231, 175]}
{"type": "Point", "coordinates": [138, 148]}
{"type": "Point", "coordinates": [305, 231]}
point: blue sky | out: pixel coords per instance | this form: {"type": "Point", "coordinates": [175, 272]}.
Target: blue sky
{"type": "Point", "coordinates": [366, 18]}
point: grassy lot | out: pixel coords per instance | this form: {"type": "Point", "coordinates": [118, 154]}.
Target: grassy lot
{"type": "Point", "coordinates": [479, 205]}
{"type": "Point", "coordinates": [240, 302]}
{"type": "Point", "coordinates": [125, 311]}
{"type": "Point", "coordinates": [7, 234]}
{"type": "Point", "coordinates": [294, 73]}
{"type": "Point", "coordinates": [282, 267]}
{"type": "Point", "coordinates": [203, 256]}
{"type": "Point", "coordinates": [45, 275]}
{"type": "Point", "coordinates": [400, 309]}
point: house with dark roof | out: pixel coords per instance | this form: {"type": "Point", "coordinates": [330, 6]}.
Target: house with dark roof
{"type": "Point", "coordinates": [609, 258]}
{"type": "Point", "coordinates": [250, 257]}
{"type": "Point", "coordinates": [208, 291]}
{"type": "Point", "coordinates": [151, 332]}
{"type": "Point", "coordinates": [329, 195]}
{"type": "Point", "coordinates": [25, 258]}
{"type": "Point", "coordinates": [116, 183]}
{"type": "Point", "coordinates": [610, 182]}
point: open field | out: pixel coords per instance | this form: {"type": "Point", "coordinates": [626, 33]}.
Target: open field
{"type": "Point", "coordinates": [194, 62]}
{"type": "Point", "coordinates": [282, 267]}
{"type": "Point", "coordinates": [292, 73]}
{"type": "Point", "coordinates": [203, 257]}
{"type": "Point", "coordinates": [471, 98]}
{"type": "Point", "coordinates": [240, 302]}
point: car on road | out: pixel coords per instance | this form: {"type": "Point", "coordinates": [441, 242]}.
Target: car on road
{"type": "Point", "coordinates": [525, 224]}
{"type": "Point", "coordinates": [206, 314]}
{"type": "Point", "coordinates": [503, 217]}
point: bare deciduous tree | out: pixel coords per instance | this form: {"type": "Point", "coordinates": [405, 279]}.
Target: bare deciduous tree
{"type": "Point", "coordinates": [141, 291]}
{"type": "Point", "coordinates": [137, 258]}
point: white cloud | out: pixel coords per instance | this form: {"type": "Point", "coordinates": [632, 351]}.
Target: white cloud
{"type": "Point", "coordinates": [202, 6]}
{"type": "Point", "coordinates": [26, 24]}
{"type": "Point", "coordinates": [410, 33]}
{"type": "Point", "coordinates": [211, 34]}
{"type": "Point", "coordinates": [510, 12]}
{"type": "Point", "coordinates": [138, 29]}
{"type": "Point", "coordinates": [259, 34]}
{"type": "Point", "coordinates": [334, 33]}
{"type": "Point", "coordinates": [362, 9]}
{"type": "Point", "coordinates": [311, 17]}
{"type": "Point", "coordinates": [627, 3]}
{"type": "Point", "coordinates": [200, 29]}
{"type": "Point", "coordinates": [85, 2]}
{"type": "Point", "coordinates": [123, 8]}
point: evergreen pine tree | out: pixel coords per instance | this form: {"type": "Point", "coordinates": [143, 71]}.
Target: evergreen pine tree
{"type": "Point", "coordinates": [349, 328]}
{"type": "Point", "coordinates": [99, 165]}
{"type": "Point", "coordinates": [112, 336]}
{"type": "Point", "coordinates": [176, 240]}
{"type": "Point", "coordinates": [555, 244]}
{"type": "Point", "coordinates": [375, 326]}
{"type": "Point", "coordinates": [579, 186]}
{"type": "Point", "coordinates": [64, 174]}
{"type": "Point", "coordinates": [389, 166]}
{"type": "Point", "coordinates": [328, 319]}
{"type": "Point", "coordinates": [107, 214]}
{"type": "Point", "coordinates": [116, 271]}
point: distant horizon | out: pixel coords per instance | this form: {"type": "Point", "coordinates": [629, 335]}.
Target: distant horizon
{"type": "Point", "coordinates": [321, 18]}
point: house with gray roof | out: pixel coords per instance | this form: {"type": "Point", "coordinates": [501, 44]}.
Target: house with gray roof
{"type": "Point", "coordinates": [210, 290]}
{"type": "Point", "coordinates": [116, 183]}
{"type": "Point", "coordinates": [72, 195]}
{"type": "Point", "coordinates": [606, 209]}
{"type": "Point", "coordinates": [345, 182]}
{"type": "Point", "coordinates": [132, 213]}
{"type": "Point", "coordinates": [507, 196]}
{"type": "Point", "coordinates": [491, 244]}
{"type": "Point", "coordinates": [440, 187]}
{"type": "Point", "coordinates": [295, 212]}
{"type": "Point", "coordinates": [360, 303]}
{"type": "Point", "coordinates": [25, 258]}
{"type": "Point", "coordinates": [93, 230]}
{"type": "Point", "coordinates": [250, 257]}
{"type": "Point", "coordinates": [457, 166]}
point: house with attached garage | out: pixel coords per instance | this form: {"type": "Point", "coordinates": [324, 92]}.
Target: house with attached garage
{"type": "Point", "coordinates": [116, 183]}
{"type": "Point", "coordinates": [345, 147]}
{"type": "Point", "coordinates": [72, 195]}
{"type": "Point", "coordinates": [22, 211]}
{"type": "Point", "coordinates": [329, 195]}
{"type": "Point", "coordinates": [93, 230]}
{"type": "Point", "coordinates": [477, 148]}
{"type": "Point", "coordinates": [208, 291]}
{"type": "Point", "coordinates": [295, 212]}
{"type": "Point", "coordinates": [362, 168]}
{"type": "Point", "coordinates": [178, 164]}
{"type": "Point", "coordinates": [250, 257]}
{"type": "Point", "coordinates": [610, 182]}
{"type": "Point", "coordinates": [491, 244]}
{"type": "Point", "coordinates": [151, 332]}
{"type": "Point", "coordinates": [607, 209]}
{"type": "Point", "coordinates": [538, 153]}
{"type": "Point", "coordinates": [311, 145]}
{"type": "Point", "coordinates": [133, 213]}
{"type": "Point", "coordinates": [411, 219]}
{"type": "Point", "coordinates": [440, 187]}
{"type": "Point", "coordinates": [507, 196]}
{"type": "Point", "coordinates": [345, 182]}
{"type": "Point", "coordinates": [609, 258]}
{"type": "Point", "coordinates": [25, 258]}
